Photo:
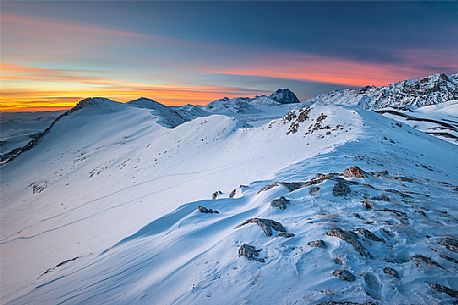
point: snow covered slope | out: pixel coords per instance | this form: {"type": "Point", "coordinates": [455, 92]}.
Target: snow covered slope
{"type": "Point", "coordinates": [163, 114]}
{"type": "Point", "coordinates": [110, 212]}
{"type": "Point", "coordinates": [439, 120]}
{"type": "Point", "coordinates": [408, 94]}
{"type": "Point", "coordinates": [17, 128]}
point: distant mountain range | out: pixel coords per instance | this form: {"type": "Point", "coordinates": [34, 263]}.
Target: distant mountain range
{"type": "Point", "coordinates": [404, 95]}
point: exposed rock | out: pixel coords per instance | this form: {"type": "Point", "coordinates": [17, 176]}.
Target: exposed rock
{"type": "Point", "coordinates": [203, 209]}
{"type": "Point", "coordinates": [317, 244]}
{"type": "Point", "coordinates": [314, 190]}
{"type": "Point", "coordinates": [344, 275]}
{"type": "Point", "coordinates": [350, 238]}
{"type": "Point", "coordinates": [38, 187]}
{"type": "Point", "coordinates": [295, 119]}
{"type": "Point", "coordinates": [421, 260]}
{"type": "Point", "coordinates": [265, 224]}
{"type": "Point", "coordinates": [379, 174]}
{"type": "Point", "coordinates": [450, 243]}
{"type": "Point", "coordinates": [286, 235]}
{"type": "Point", "coordinates": [391, 271]}
{"type": "Point", "coordinates": [60, 265]}
{"type": "Point", "coordinates": [318, 124]}
{"type": "Point", "coordinates": [444, 289]}
{"type": "Point", "coordinates": [285, 96]}
{"type": "Point", "coordinates": [368, 234]}
{"type": "Point", "coordinates": [292, 186]}
{"type": "Point", "coordinates": [232, 194]}
{"type": "Point", "coordinates": [216, 194]}
{"type": "Point", "coordinates": [341, 188]}
{"type": "Point", "coordinates": [267, 187]}
{"type": "Point", "coordinates": [367, 204]}
{"type": "Point", "coordinates": [250, 252]}
{"type": "Point", "coordinates": [354, 172]}
{"type": "Point", "coordinates": [280, 203]}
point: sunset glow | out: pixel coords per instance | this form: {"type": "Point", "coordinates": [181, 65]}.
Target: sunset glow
{"type": "Point", "coordinates": [50, 62]}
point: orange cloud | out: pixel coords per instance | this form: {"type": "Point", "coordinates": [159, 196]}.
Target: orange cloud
{"type": "Point", "coordinates": [29, 89]}
{"type": "Point", "coordinates": [321, 69]}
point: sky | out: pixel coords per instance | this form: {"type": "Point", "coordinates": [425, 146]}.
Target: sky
{"type": "Point", "coordinates": [54, 54]}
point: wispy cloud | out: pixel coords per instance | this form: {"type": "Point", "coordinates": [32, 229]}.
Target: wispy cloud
{"type": "Point", "coordinates": [332, 70]}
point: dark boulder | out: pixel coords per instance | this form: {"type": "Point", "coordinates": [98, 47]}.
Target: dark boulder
{"type": "Point", "coordinates": [250, 252]}
{"type": "Point", "coordinates": [344, 275]}
{"type": "Point", "coordinates": [341, 187]}
{"type": "Point", "coordinates": [391, 271]}
{"type": "Point", "coordinates": [205, 210]}
{"type": "Point", "coordinates": [317, 244]}
{"type": "Point", "coordinates": [349, 237]}
{"type": "Point", "coordinates": [265, 224]}
{"type": "Point", "coordinates": [280, 203]}
{"type": "Point", "coordinates": [368, 234]}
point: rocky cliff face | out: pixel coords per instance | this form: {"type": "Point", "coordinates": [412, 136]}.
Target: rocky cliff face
{"type": "Point", "coordinates": [407, 94]}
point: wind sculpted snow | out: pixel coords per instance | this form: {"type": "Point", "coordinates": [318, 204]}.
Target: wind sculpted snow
{"type": "Point", "coordinates": [124, 202]}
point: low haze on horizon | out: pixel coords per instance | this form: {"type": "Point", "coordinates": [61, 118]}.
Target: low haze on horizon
{"type": "Point", "coordinates": [56, 53]}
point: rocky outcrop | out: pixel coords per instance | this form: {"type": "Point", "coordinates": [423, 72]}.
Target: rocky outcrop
{"type": "Point", "coordinates": [350, 238]}
{"type": "Point", "coordinates": [317, 244]}
{"type": "Point", "coordinates": [292, 186]}
{"type": "Point", "coordinates": [204, 210]}
{"type": "Point", "coordinates": [391, 271]}
{"type": "Point", "coordinates": [354, 172]}
{"type": "Point", "coordinates": [232, 194]}
{"type": "Point", "coordinates": [265, 224]}
{"type": "Point", "coordinates": [268, 187]}
{"type": "Point", "coordinates": [450, 243]}
{"type": "Point", "coordinates": [404, 95]}
{"type": "Point", "coordinates": [341, 188]}
{"type": "Point", "coordinates": [216, 194]}
{"type": "Point", "coordinates": [344, 275]}
{"type": "Point", "coordinates": [368, 234]}
{"type": "Point", "coordinates": [444, 289]}
{"type": "Point", "coordinates": [286, 234]}
{"type": "Point", "coordinates": [284, 96]}
{"type": "Point", "coordinates": [250, 252]}
{"type": "Point", "coordinates": [280, 203]}
{"type": "Point", "coordinates": [421, 260]}
{"type": "Point", "coordinates": [60, 265]}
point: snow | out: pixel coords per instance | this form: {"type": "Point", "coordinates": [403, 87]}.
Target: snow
{"type": "Point", "coordinates": [17, 128]}
{"type": "Point", "coordinates": [408, 94]}
{"type": "Point", "coordinates": [103, 209]}
{"type": "Point", "coordinates": [131, 169]}
{"type": "Point", "coordinates": [440, 120]}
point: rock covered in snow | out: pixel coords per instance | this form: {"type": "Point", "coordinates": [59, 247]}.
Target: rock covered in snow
{"type": "Point", "coordinates": [407, 94]}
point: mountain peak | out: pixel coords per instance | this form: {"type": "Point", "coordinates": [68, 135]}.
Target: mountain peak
{"type": "Point", "coordinates": [284, 96]}
{"type": "Point", "coordinates": [96, 103]}
{"type": "Point", "coordinates": [144, 102]}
